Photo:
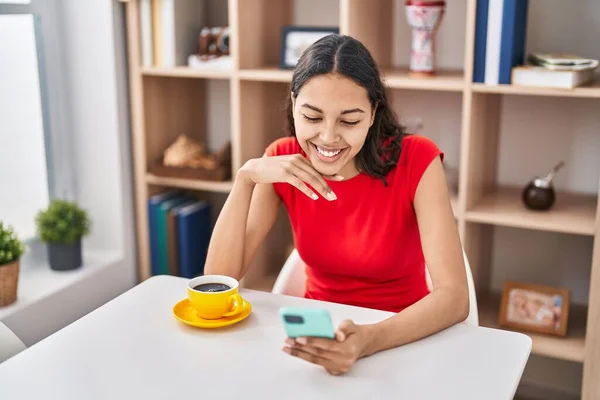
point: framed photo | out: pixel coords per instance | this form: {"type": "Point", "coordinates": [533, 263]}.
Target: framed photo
{"type": "Point", "coordinates": [535, 308]}
{"type": "Point", "coordinates": [295, 39]}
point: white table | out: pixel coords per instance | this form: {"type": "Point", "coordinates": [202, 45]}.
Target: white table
{"type": "Point", "coordinates": [133, 348]}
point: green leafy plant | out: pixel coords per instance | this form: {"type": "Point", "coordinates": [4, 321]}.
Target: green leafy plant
{"type": "Point", "coordinates": [11, 248]}
{"type": "Point", "coordinates": [62, 222]}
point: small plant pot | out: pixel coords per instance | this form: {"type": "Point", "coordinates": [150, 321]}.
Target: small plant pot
{"type": "Point", "coordinates": [64, 257]}
{"type": "Point", "coordinates": [9, 278]}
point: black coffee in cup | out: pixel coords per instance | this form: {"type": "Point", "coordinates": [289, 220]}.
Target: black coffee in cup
{"type": "Point", "coordinates": [212, 287]}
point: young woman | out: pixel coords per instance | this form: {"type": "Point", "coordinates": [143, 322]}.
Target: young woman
{"type": "Point", "coordinates": [368, 205]}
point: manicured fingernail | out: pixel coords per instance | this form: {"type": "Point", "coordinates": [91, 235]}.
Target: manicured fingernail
{"type": "Point", "coordinates": [314, 196]}
{"type": "Point", "coordinates": [290, 342]}
{"type": "Point", "coordinates": [339, 177]}
{"type": "Point", "coordinates": [331, 196]}
{"type": "Point", "coordinates": [287, 350]}
{"type": "Point", "coordinates": [301, 340]}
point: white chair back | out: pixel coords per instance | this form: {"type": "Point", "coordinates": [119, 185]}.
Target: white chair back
{"type": "Point", "coordinates": [10, 344]}
{"type": "Point", "coordinates": [291, 281]}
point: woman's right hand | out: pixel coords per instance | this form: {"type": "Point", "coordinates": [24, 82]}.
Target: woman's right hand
{"type": "Point", "coordinates": [293, 169]}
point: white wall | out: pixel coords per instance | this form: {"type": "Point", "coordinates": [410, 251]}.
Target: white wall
{"type": "Point", "coordinates": [21, 126]}
{"type": "Point", "coordinates": [98, 117]}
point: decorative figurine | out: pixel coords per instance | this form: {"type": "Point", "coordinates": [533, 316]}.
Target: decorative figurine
{"type": "Point", "coordinates": [424, 18]}
{"type": "Point", "coordinates": [539, 193]}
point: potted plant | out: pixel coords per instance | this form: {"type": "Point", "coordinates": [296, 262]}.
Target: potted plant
{"type": "Point", "coordinates": [61, 226]}
{"type": "Point", "coordinates": [11, 249]}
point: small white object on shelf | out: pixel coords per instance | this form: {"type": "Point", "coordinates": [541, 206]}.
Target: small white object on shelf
{"type": "Point", "coordinates": [222, 62]}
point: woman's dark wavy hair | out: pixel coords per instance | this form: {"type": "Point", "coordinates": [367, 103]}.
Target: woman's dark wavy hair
{"type": "Point", "coordinates": [348, 57]}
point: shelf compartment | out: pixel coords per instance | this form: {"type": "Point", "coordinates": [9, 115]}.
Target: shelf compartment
{"type": "Point", "coordinates": [187, 72]}
{"type": "Point", "coordinates": [268, 74]}
{"type": "Point", "coordinates": [572, 213]}
{"type": "Point", "coordinates": [191, 184]}
{"type": "Point", "coordinates": [444, 80]}
{"type": "Point", "coordinates": [261, 21]}
{"type": "Point", "coordinates": [570, 347]}
{"type": "Point", "coordinates": [592, 90]}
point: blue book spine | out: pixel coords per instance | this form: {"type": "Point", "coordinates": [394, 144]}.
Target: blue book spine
{"type": "Point", "coordinates": [480, 41]}
{"type": "Point", "coordinates": [194, 231]}
{"type": "Point", "coordinates": [514, 30]}
{"type": "Point", "coordinates": [154, 203]}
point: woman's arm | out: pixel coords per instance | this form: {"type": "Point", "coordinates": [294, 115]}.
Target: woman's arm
{"type": "Point", "coordinates": [448, 303]}
{"type": "Point", "coordinates": [251, 210]}
{"type": "Point", "coordinates": [245, 220]}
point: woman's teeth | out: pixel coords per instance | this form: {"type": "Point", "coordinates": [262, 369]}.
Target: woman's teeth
{"type": "Point", "coordinates": [328, 153]}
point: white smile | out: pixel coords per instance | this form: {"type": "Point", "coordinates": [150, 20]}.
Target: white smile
{"type": "Point", "coordinates": [328, 153]}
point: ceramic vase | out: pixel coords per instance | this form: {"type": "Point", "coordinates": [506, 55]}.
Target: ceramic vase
{"type": "Point", "coordinates": [424, 18]}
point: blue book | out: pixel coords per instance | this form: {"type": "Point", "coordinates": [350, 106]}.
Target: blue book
{"type": "Point", "coordinates": [195, 229]}
{"type": "Point", "coordinates": [161, 228]}
{"type": "Point", "coordinates": [154, 203]}
{"type": "Point", "coordinates": [512, 45]}
{"type": "Point", "coordinates": [481, 24]}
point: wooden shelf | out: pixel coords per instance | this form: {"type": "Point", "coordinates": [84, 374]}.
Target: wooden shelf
{"type": "Point", "coordinates": [570, 347]}
{"type": "Point", "coordinates": [162, 108]}
{"type": "Point", "coordinates": [592, 90]}
{"type": "Point", "coordinates": [442, 81]}
{"type": "Point", "coordinates": [207, 186]}
{"type": "Point", "coordinates": [572, 213]}
{"type": "Point", "coordinates": [268, 74]}
{"type": "Point", "coordinates": [187, 72]}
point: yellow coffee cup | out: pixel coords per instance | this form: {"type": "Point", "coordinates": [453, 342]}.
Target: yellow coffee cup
{"type": "Point", "coordinates": [215, 296]}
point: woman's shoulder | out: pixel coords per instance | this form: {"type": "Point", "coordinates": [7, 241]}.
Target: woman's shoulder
{"type": "Point", "coordinates": [418, 148]}
{"type": "Point", "coordinates": [416, 155]}
{"type": "Point", "coordinates": [283, 147]}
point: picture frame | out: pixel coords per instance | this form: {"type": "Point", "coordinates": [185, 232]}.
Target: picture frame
{"type": "Point", "coordinates": [535, 308]}
{"type": "Point", "coordinates": [295, 39]}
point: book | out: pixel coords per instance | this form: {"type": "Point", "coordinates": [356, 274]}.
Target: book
{"type": "Point", "coordinates": [181, 22]}
{"type": "Point", "coordinates": [562, 62]}
{"type": "Point", "coordinates": [195, 229]}
{"type": "Point", "coordinates": [481, 26]}
{"type": "Point", "coordinates": [173, 238]}
{"type": "Point", "coordinates": [505, 44]}
{"type": "Point", "coordinates": [154, 203]}
{"type": "Point", "coordinates": [543, 77]}
{"type": "Point", "coordinates": [157, 47]}
{"type": "Point", "coordinates": [514, 31]}
{"type": "Point", "coordinates": [493, 39]}
{"type": "Point", "coordinates": [161, 227]}
{"type": "Point", "coordinates": [146, 32]}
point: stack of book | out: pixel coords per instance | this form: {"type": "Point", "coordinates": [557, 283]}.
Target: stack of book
{"type": "Point", "coordinates": [555, 70]}
{"type": "Point", "coordinates": [180, 227]}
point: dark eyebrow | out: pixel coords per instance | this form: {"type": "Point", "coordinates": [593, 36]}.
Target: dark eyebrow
{"type": "Point", "coordinates": [321, 111]}
{"type": "Point", "coordinates": [352, 111]}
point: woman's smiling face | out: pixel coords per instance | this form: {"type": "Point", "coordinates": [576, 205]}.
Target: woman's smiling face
{"type": "Point", "coordinates": [332, 116]}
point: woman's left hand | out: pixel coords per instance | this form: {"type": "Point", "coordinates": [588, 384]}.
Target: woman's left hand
{"type": "Point", "coordinates": [335, 355]}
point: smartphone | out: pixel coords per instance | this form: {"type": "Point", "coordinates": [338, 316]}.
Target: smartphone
{"type": "Point", "coordinates": [309, 322]}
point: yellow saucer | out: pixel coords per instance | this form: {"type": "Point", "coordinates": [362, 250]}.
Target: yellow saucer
{"type": "Point", "coordinates": [184, 312]}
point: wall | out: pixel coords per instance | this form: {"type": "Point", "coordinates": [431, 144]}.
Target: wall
{"type": "Point", "coordinates": [93, 33]}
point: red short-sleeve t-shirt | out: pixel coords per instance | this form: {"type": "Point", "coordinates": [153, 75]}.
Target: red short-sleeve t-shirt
{"type": "Point", "coordinates": [364, 248]}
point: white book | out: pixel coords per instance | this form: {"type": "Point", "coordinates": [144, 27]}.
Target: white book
{"type": "Point", "coordinates": [493, 41]}
{"type": "Point", "coordinates": [543, 77]}
{"type": "Point", "coordinates": [181, 22]}
{"type": "Point", "coordinates": [146, 32]}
